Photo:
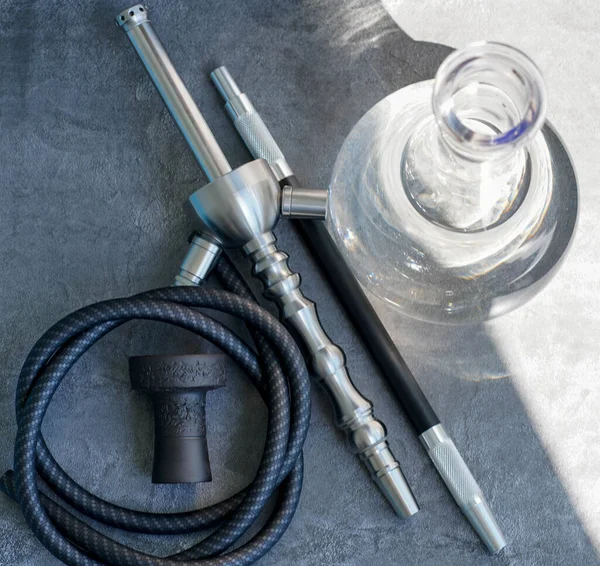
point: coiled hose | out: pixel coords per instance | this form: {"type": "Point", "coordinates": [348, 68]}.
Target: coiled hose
{"type": "Point", "coordinates": [47, 495]}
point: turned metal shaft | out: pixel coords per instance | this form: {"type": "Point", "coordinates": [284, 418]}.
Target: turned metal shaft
{"type": "Point", "coordinates": [367, 436]}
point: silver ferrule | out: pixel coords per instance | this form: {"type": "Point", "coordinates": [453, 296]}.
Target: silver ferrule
{"type": "Point", "coordinates": [300, 203]}
{"type": "Point", "coordinates": [135, 21]}
{"type": "Point", "coordinates": [200, 258]}
{"type": "Point", "coordinates": [354, 413]}
{"type": "Point", "coordinates": [462, 485]}
{"type": "Point", "coordinates": [235, 101]}
{"type": "Point", "coordinates": [249, 124]}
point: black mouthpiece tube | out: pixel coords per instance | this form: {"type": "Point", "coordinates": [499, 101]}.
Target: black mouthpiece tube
{"type": "Point", "coordinates": [365, 320]}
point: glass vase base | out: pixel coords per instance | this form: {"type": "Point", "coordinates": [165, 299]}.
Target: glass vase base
{"type": "Point", "coordinates": [446, 272]}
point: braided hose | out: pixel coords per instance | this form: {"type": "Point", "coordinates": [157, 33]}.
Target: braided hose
{"type": "Point", "coordinates": [47, 495]}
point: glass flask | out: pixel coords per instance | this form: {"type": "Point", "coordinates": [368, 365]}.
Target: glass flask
{"type": "Point", "coordinates": [463, 213]}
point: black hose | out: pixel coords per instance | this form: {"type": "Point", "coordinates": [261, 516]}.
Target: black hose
{"type": "Point", "coordinates": [47, 495]}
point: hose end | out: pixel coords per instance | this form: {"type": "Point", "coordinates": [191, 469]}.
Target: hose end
{"type": "Point", "coordinates": [199, 260]}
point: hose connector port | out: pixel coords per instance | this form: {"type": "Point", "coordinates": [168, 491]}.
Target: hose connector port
{"type": "Point", "coordinates": [304, 203]}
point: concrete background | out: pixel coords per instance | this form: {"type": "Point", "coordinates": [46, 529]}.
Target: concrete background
{"type": "Point", "coordinates": [94, 173]}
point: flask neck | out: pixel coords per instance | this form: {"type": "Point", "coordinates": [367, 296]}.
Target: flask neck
{"type": "Point", "coordinates": [466, 167]}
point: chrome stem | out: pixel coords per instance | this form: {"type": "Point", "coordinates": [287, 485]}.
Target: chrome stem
{"type": "Point", "coordinates": [354, 413]}
{"type": "Point", "coordinates": [136, 23]}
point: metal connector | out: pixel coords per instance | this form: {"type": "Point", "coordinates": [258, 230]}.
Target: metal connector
{"type": "Point", "coordinates": [197, 263]}
{"type": "Point", "coordinates": [249, 124]}
{"type": "Point", "coordinates": [304, 203]}
{"type": "Point", "coordinates": [462, 485]}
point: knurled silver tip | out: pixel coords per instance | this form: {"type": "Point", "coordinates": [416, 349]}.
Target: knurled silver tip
{"type": "Point", "coordinates": [133, 17]}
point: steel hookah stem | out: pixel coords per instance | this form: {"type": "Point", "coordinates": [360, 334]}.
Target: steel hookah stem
{"type": "Point", "coordinates": [438, 445]}
{"type": "Point", "coordinates": [354, 413]}
{"type": "Point", "coordinates": [136, 23]}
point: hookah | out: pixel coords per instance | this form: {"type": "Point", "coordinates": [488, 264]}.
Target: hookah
{"type": "Point", "coordinates": [239, 209]}
{"type": "Point", "coordinates": [416, 187]}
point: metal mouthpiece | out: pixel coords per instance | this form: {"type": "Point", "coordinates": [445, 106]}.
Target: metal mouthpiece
{"type": "Point", "coordinates": [462, 486]}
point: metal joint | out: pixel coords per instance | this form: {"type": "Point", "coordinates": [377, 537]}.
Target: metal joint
{"type": "Point", "coordinates": [304, 203]}
{"type": "Point", "coordinates": [197, 263]}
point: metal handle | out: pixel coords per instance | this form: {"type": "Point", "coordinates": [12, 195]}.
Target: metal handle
{"type": "Point", "coordinates": [462, 486]}
{"type": "Point", "coordinates": [135, 21]}
{"type": "Point", "coordinates": [354, 413]}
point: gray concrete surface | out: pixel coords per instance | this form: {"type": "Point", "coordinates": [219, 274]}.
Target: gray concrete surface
{"type": "Point", "coordinates": [94, 173]}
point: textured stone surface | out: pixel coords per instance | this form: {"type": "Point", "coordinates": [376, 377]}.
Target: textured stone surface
{"type": "Point", "coordinates": [94, 174]}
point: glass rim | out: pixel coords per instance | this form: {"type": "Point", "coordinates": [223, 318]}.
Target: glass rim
{"type": "Point", "coordinates": [533, 115]}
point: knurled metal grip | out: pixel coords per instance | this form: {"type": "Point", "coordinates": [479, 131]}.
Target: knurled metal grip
{"type": "Point", "coordinates": [259, 140]}
{"type": "Point", "coordinates": [462, 485]}
{"type": "Point", "coordinates": [249, 124]}
{"type": "Point", "coordinates": [354, 413]}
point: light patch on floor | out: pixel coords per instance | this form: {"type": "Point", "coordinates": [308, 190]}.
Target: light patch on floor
{"type": "Point", "coordinates": [550, 345]}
